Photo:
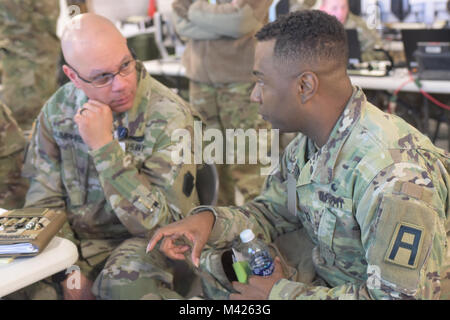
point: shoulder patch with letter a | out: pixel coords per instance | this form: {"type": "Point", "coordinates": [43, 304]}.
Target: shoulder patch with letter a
{"type": "Point", "coordinates": [406, 245]}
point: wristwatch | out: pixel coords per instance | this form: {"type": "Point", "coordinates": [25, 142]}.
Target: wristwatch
{"type": "Point", "coordinates": [59, 277]}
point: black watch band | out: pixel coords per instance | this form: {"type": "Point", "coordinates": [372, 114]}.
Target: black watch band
{"type": "Point", "coordinates": [59, 277]}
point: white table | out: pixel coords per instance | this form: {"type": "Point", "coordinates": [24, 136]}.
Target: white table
{"type": "Point", "coordinates": [170, 67]}
{"type": "Point", "coordinates": [397, 78]}
{"type": "Point", "coordinates": [389, 83]}
{"type": "Point", "coordinates": [174, 68]}
{"type": "Point", "coordinates": [59, 254]}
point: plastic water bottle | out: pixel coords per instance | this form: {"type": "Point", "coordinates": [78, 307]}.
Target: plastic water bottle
{"type": "Point", "coordinates": [256, 253]}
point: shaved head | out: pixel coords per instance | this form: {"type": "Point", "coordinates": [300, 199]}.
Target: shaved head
{"type": "Point", "coordinates": [94, 48]}
{"type": "Point", "coordinates": [88, 34]}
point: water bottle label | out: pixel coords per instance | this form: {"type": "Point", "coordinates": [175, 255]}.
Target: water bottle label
{"type": "Point", "coordinates": [262, 264]}
{"type": "Point", "coordinates": [267, 271]}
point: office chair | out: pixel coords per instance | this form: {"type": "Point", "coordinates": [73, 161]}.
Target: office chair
{"type": "Point", "coordinates": [207, 184]}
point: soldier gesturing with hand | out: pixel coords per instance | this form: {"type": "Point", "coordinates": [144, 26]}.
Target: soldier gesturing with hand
{"type": "Point", "coordinates": [368, 191]}
{"type": "Point", "coordinates": [196, 228]}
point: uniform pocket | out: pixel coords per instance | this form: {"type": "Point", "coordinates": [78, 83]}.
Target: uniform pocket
{"type": "Point", "coordinates": [71, 178]}
{"type": "Point", "coordinates": [325, 236]}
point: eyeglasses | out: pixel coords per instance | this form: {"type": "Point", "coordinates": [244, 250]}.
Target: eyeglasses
{"type": "Point", "coordinates": [105, 79]}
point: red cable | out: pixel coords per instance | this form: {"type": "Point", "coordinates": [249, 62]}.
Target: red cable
{"type": "Point", "coordinates": [424, 93]}
{"type": "Point", "coordinates": [435, 101]}
{"type": "Point", "coordinates": [428, 96]}
{"type": "Point", "coordinates": [389, 109]}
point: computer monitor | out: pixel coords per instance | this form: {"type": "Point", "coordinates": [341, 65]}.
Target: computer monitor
{"type": "Point", "coordinates": [411, 37]}
{"type": "Point", "coordinates": [400, 9]}
{"type": "Point", "coordinates": [354, 47]}
{"type": "Point", "coordinates": [355, 6]}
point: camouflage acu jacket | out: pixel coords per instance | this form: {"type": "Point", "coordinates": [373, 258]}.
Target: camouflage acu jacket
{"type": "Point", "coordinates": [368, 38]}
{"type": "Point", "coordinates": [12, 145]}
{"type": "Point", "coordinates": [220, 38]}
{"type": "Point", "coordinates": [374, 200]}
{"type": "Point", "coordinates": [112, 192]}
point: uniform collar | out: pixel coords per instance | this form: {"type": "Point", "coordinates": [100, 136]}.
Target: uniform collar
{"type": "Point", "coordinates": [326, 157]}
{"type": "Point", "coordinates": [133, 118]}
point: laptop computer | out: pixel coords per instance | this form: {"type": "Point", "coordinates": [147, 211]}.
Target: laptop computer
{"type": "Point", "coordinates": [355, 65]}
{"type": "Point", "coordinates": [354, 47]}
{"type": "Point", "coordinates": [411, 37]}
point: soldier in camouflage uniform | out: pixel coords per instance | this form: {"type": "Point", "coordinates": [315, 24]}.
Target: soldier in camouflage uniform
{"type": "Point", "coordinates": [29, 50]}
{"type": "Point", "coordinates": [102, 149]}
{"type": "Point", "coordinates": [218, 60]}
{"type": "Point", "coordinates": [368, 37]}
{"type": "Point", "coordinates": [295, 5]}
{"type": "Point", "coordinates": [12, 145]}
{"type": "Point", "coordinates": [370, 191]}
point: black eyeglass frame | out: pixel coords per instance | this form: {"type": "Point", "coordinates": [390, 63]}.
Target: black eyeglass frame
{"type": "Point", "coordinates": [113, 75]}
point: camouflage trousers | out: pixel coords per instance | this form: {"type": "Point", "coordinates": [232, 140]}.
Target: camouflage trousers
{"type": "Point", "coordinates": [13, 187]}
{"type": "Point", "coordinates": [228, 106]}
{"type": "Point", "coordinates": [130, 273]}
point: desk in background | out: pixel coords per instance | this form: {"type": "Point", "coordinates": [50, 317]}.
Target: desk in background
{"type": "Point", "coordinates": [396, 78]}
{"type": "Point", "coordinates": [172, 67]}
{"type": "Point", "coordinates": [389, 84]}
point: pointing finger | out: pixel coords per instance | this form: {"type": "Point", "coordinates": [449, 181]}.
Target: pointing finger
{"type": "Point", "coordinates": [154, 240]}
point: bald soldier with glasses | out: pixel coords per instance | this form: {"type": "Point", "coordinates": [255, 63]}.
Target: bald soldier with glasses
{"type": "Point", "coordinates": [102, 79]}
{"type": "Point", "coordinates": [101, 149]}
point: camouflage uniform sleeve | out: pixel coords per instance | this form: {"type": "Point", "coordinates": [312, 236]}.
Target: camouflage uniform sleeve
{"type": "Point", "coordinates": [369, 40]}
{"type": "Point", "coordinates": [229, 20]}
{"type": "Point", "coordinates": [12, 144]}
{"type": "Point", "coordinates": [186, 28]}
{"type": "Point", "coordinates": [158, 193]}
{"type": "Point", "coordinates": [402, 217]}
{"type": "Point", "coordinates": [42, 167]}
{"type": "Point", "coordinates": [266, 215]}
{"type": "Point", "coordinates": [367, 37]}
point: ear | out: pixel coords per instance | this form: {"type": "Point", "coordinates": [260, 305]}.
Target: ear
{"type": "Point", "coordinates": [307, 85]}
{"type": "Point", "coordinates": [71, 75]}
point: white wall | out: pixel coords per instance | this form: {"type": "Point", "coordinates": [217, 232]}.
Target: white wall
{"type": "Point", "coordinates": [117, 10]}
{"type": "Point", "coordinates": [422, 11]}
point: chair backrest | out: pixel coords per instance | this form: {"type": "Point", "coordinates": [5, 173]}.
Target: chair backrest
{"type": "Point", "coordinates": [207, 184]}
